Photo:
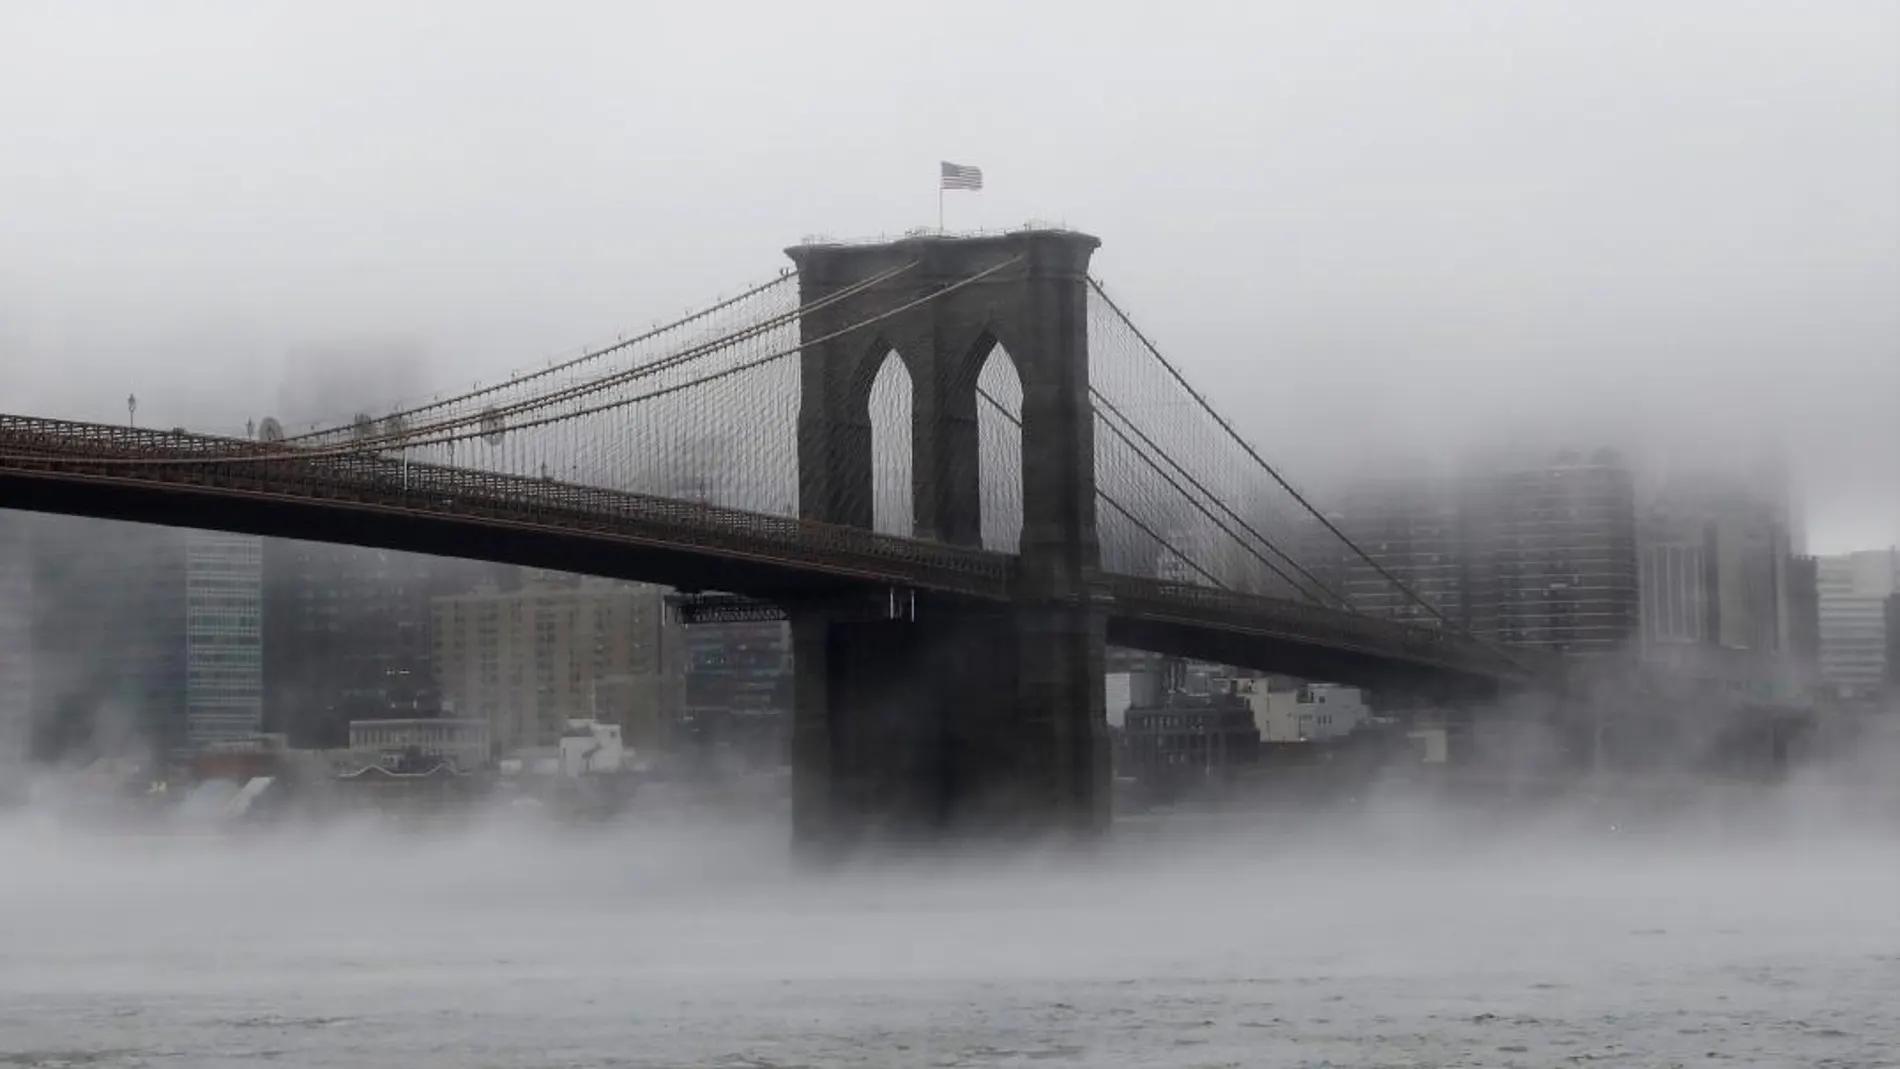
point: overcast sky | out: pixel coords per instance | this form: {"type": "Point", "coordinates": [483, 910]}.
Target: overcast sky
{"type": "Point", "coordinates": [1384, 227]}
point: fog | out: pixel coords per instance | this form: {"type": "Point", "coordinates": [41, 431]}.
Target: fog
{"type": "Point", "coordinates": [1389, 232]}
{"type": "Point", "coordinates": [1403, 930]}
{"type": "Point", "coordinates": [1418, 229]}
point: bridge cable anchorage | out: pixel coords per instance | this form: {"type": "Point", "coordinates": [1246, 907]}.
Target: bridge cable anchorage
{"type": "Point", "coordinates": [410, 434]}
{"type": "Point", "coordinates": [555, 368]}
{"type": "Point", "coordinates": [1324, 591]}
{"type": "Point", "coordinates": [1096, 285]}
{"type": "Point", "coordinates": [260, 456]}
{"type": "Point", "coordinates": [1121, 509]}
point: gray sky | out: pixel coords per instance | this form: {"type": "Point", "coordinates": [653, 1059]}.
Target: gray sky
{"type": "Point", "coordinates": [1380, 227]}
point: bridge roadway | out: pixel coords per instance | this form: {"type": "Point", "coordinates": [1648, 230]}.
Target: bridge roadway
{"type": "Point", "coordinates": [369, 498]}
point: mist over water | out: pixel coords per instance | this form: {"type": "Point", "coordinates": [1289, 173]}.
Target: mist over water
{"type": "Point", "coordinates": [1760, 928]}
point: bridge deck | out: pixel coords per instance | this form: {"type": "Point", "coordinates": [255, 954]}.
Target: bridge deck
{"type": "Point", "coordinates": [373, 498]}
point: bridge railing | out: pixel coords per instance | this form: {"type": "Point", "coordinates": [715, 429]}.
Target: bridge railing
{"type": "Point", "coordinates": [368, 479]}
{"type": "Point", "coordinates": [1261, 614]}
{"type": "Point", "coordinates": [385, 481]}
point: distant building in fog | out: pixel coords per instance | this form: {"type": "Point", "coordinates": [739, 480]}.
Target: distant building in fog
{"type": "Point", "coordinates": [1803, 600]}
{"type": "Point", "coordinates": [1415, 529]}
{"type": "Point", "coordinates": [561, 648]}
{"type": "Point", "coordinates": [144, 636]}
{"type": "Point", "coordinates": [1560, 548]}
{"type": "Point", "coordinates": [463, 742]}
{"type": "Point", "coordinates": [16, 635]}
{"type": "Point", "coordinates": [348, 634]}
{"type": "Point", "coordinates": [1540, 555]}
{"type": "Point", "coordinates": [224, 648]}
{"type": "Point", "coordinates": [1854, 591]}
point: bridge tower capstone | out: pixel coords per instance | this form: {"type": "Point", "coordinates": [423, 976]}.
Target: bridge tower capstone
{"type": "Point", "coordinates": [957, 716]}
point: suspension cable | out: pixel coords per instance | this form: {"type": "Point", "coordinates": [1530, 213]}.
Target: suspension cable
{"type": "Point", "coordinates": [1202, 508]}
{"type": "Point", "coordinates": [1096, 285]}
{"type": "Point", "coordinates": [355, 449]}
{"type": "Point", "coordinates": [551, 369]}
{"type": "Point", "coordinates": [605, 382]}
{"type": "Point", "coordinates": [1109, 500]}
{"type": "Point", "coordinates": [1325, 591]}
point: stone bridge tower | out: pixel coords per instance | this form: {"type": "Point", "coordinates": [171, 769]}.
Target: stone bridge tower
{"type": "Point", "coordinates": [959, 716]}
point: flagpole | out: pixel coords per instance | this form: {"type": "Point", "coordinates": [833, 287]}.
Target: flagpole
{"type": "Point", "coordinates": [940, 206]}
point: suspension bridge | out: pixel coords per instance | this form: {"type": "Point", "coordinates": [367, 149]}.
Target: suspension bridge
{"type": "Point", "coordinates": [953, 463]}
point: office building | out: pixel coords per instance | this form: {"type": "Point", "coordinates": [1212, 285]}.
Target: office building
{"type": "Point", "coordinates": [1558, 542]}
{"type": "Point", "coordinates": [224, 649]}
{"type": "Point", "coordinates": [560, 648]}
{"type": "Point", "coordinates": [1854, 591]}
{"type": "Point", "coordinates": [16, 636]}
{"type": "Point", "coordinates": [1541, 555]}
{"type": "Point", "coordinates": [1803, 615]}
{"type": "Point", "coordinates": [145, 638]}
{"type": "Point", "coordinates": [349, 634]}
{"type": "Point", "coordinates": [1417, 532]}
{"type": "Point", "coordinates": [1714, 568]}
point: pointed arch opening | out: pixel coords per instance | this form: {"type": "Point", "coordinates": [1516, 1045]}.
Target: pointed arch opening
{"type": "Point", "coordinates": [999, 412]}
{"type": "Point", "coordinates": [892, 504]}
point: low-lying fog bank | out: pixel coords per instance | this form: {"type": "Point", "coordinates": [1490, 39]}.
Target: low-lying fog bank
{"type": "Point", "coordinates": [1280, 938]}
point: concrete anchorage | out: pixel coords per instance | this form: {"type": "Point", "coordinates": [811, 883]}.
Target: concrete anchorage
{"type": "Point", "coordinates": [957, 718]}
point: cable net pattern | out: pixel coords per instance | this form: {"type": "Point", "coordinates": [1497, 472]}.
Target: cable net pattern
{"type": "Point", "coordinates": [1184, 497]}
{"type": "Point", "coordinates": [705, 410]}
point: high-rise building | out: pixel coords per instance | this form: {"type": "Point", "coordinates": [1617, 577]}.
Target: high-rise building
{"type": "Point", "coordinates": [560, 648]}
{"type": "Point", "coordinates": [1893, 645]}
{"type": "Point", "coordinates": [1537, 555]}
{"type": "Point", "coordinates": [348, 634]}
{"type": "Point", "coordinates": [1803, 616]}
{"type": "Point", "coordinates": [16, 636]}
{"type": "Point", "coordinates": [1558, 542]}
{"type": "Point", "coordinates": [1719, 604]}
{"type": "Point", "coordinates": [144, 637]}
{"type": "Point", "coordinates": [1854, 589]}
{"type": "Point", "coordinates": [108, 638]}
{"type": "Point", "coordinates": [224, 647]}
{"type": "Point", "coordinates": [1418, 532]}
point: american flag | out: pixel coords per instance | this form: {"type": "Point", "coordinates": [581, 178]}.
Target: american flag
{"type": "Point", "coordinates": [957, 176]}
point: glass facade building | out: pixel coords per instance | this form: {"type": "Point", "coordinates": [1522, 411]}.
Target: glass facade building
{"type": "Point", "coordinates": [224, 647]}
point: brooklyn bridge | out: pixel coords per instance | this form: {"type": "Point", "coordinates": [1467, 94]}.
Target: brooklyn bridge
{"type": "Point", "coordinates": [953, 463]}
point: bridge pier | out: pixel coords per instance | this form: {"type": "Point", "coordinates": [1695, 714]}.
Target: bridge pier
{"type": "Point", "coordinates": [967, 721]}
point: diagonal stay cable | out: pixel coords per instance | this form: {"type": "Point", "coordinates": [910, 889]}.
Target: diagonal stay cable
{"type": "Point", "coordinates": [262, 456]}
{"type": "Point", "coordinates": [1202, 508]}
{"type": "Point", "coordinates": [1262, 462]}
{"type": "Point", "coordinates": [408, 435]}
{"type": "Point", "coordinates": [555, 369]}
{"type": "Point", "coordinates": [1109, 500]}
{"type": "Point", "coordinates": [1324, 590]}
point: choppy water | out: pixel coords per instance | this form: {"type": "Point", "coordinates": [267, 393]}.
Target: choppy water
{"type": "Point", "coordinates": [706, 948]}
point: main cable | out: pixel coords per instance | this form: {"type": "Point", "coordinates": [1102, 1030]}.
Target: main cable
{"type": "Point", "coordinates": [1254, 454]}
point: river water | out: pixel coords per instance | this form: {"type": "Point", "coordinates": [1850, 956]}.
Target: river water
{"type": "Point", "coordinates": [674, 945]}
